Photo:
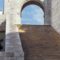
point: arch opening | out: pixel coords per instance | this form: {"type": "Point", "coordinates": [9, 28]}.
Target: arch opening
{"type": "Point", "coordinates": [32, 14]}
{"type": "Point", "coordinates": [33, 2]}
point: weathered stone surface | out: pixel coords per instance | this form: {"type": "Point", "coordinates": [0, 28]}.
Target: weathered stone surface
{"type": "Point", "coordinates": [13, 46]}
{"type": "Point", "coordinates": [55, 18]}
{"type": "Point", "coordinates": [40, 42]}
{"type": "Point", "coordinates": [2, 23]}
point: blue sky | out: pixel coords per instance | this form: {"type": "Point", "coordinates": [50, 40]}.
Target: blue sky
{"type": "Point", "coordinates": [31, 14]}
{"type": "Point", "coordinates": [1, 4]}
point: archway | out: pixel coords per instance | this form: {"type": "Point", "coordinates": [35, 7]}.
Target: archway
{"type": "Point", "coordinates": [32, 14]}
{"type": "Point", "coordinates": [39, 3]}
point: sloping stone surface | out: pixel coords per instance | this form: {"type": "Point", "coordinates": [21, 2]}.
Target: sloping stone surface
{"type": "Point", "coordinates": [40, 42]}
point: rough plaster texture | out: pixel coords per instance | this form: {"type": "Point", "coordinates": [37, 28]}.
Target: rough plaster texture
{"type": "Point", "coordinates": [13, 45]}
{"type": "Point", "coordinates": [55, 9]}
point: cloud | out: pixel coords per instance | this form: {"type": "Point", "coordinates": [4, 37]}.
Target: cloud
{"type": "Point", "coordinates": [0, 12]}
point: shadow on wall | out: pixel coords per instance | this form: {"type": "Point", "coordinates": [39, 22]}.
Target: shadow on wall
{"type": "Point", "coordinates": [3, 26]}
{"type": "Point", "coordinates": [2, 45]}
{"type": "Point", "coordinates": [48, 12]}
{"type": "Point", "coordinates": [13, 44]}
{"type": "Point", "coordinates": [2, 36]}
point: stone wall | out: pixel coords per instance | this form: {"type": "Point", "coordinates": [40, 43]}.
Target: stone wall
{"type": "Point", "coordinates": [55, 9]}
{"type": "Point", "coordinates": [2, 22]}
{"type": "Point", "coordinates": [47, 11]}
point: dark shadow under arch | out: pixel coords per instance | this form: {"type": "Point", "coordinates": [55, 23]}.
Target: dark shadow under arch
{"type": "Point", "coordinates": [32, 2]}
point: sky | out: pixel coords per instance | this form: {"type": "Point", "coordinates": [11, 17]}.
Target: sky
{"type": "Point", "coordinates": [31, 14]}
{"type": "Point", "coordinates": [1, 4]}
